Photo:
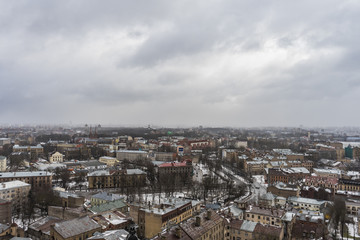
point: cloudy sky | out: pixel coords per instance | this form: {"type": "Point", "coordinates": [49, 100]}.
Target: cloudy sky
{"type": "Point", "coordinates": [180, 63]}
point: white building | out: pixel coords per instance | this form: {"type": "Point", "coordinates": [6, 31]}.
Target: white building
{"type": "Point", "coordinates": [56, 157]}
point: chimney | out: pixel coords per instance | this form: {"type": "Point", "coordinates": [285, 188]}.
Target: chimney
{"type": "Point", "coordinates": [178, 233]}
{"type": "Point", "coordinates": [208, 215]}
{"type": "Point", "coordinates": [109, 216]}
{"type": "Point", "coordinates": [198, 221]}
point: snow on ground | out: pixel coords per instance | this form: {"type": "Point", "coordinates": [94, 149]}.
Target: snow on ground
{"type": "Point", "coordinates": [353, 228]}
{"type": "Point", "coordinates": [259, 178]}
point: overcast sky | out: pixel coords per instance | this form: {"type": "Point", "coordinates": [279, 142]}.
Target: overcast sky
{"type": "Point", "coordinates": [180, 63]}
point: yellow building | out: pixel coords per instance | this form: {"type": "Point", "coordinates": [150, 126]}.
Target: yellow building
{"type": "Point", "coordinates": [116, 179]}
{"type": "Point", "coordinates": [151, 220]}
{"type": "Point", "coordinates": [109, 161]}
{"type": "Point", "coordinates": [266, 216]}
{"type": "Point", "coordinates": [37, 179]}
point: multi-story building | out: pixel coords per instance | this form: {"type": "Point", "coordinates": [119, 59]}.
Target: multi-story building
{"type": "Point", "coordinates": [336, 173]}
{"type": "Point", "coordinates": [37, 179]}
{"type": "Point", "coordinates": [286, 175]}
{"type": "Point", "coordinates": [206, 226]}
{"type": "Point", "coordinates": [75, 229]}
{"type": "Point", "coordinates": [349, 185]}
{"type": "Point", "coordinates": [116, 178]}
{"type": "Point", "coordinates": [56, 157]}
{"type": "Point", "coordinates": [183, 170]}
{"type": "Point", "coordinates": [151, 220]}
{"type": "Point", "coordinates": [15, 191]}
{"type": "Point", "coordinates": [33, 150]}
{"type": "Point", "coordinates": [353, 208]}
{"type": "Point", "coordinates": [3, 163]}
{"type": "Point", "coordinates": [131, 155]}
{"type": "Point", "coordinates": [267, 216]}
{"type": "Point", "coordinates": [324, 182]}
{"type": "Point", "coordinates": [255, 167]}
{"type": "Point", "coordinates": [284, 190]}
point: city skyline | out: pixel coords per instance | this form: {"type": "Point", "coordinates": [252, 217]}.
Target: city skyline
{"type": "Point", "coordinates": [213, 63]}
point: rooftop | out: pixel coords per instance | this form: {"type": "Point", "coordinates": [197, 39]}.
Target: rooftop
{"type": "Point", "coordinates": [13, 184]}
{"type": "Point", "coordinates": [76, 226]}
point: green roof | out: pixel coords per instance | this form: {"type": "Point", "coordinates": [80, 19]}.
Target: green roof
{"type": "Point", "coordinates": [108, 206]}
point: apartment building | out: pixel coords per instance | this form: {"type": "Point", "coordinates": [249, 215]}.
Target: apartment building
{"type": "Point", "coordinates": [116, 178]}
{"type": "Point", "coordinates": [268, 216]}
{"type": "Point", "coordinates": [319, 181]}
{"type": "Point", "coordinates": [15, 191]}
{"type": "Point", "coordinates": [36, 179]}
{"type": "Point", "coordinates": [152, 219]}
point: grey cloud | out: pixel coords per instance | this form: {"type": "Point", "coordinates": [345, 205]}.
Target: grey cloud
{"type": "Point", "coordinates": [223, 63]}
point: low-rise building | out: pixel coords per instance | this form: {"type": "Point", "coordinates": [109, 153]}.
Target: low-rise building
{"type": "Point", "coordinates": [40, 230]}
{"type": "Point", "coordinates": [109, 161]}
{"type": "Point", "coordinates": [104, 197]}
{"type": "Point", "coordinates": [56, 157]}
{"type": "Point", "coordinates": [307, 203]}
{"type": "Point", "coordinates": [75, 229]}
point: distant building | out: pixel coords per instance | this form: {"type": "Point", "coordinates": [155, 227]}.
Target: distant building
{"type": "Point", "coordinates": [3, 163]}
{"type": "Point", "coordinates": [182, 170]}
{"type": "Point", "coordinates": [165, 156]}
{"type": "Point", "coordinates": [56, 157]}
{"type": "Point", "coordinates": [116, 179]}
{"type": "Point", "coordinates": [131, 155]}
{"type": "Point", "coordinates": [109, 161]}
